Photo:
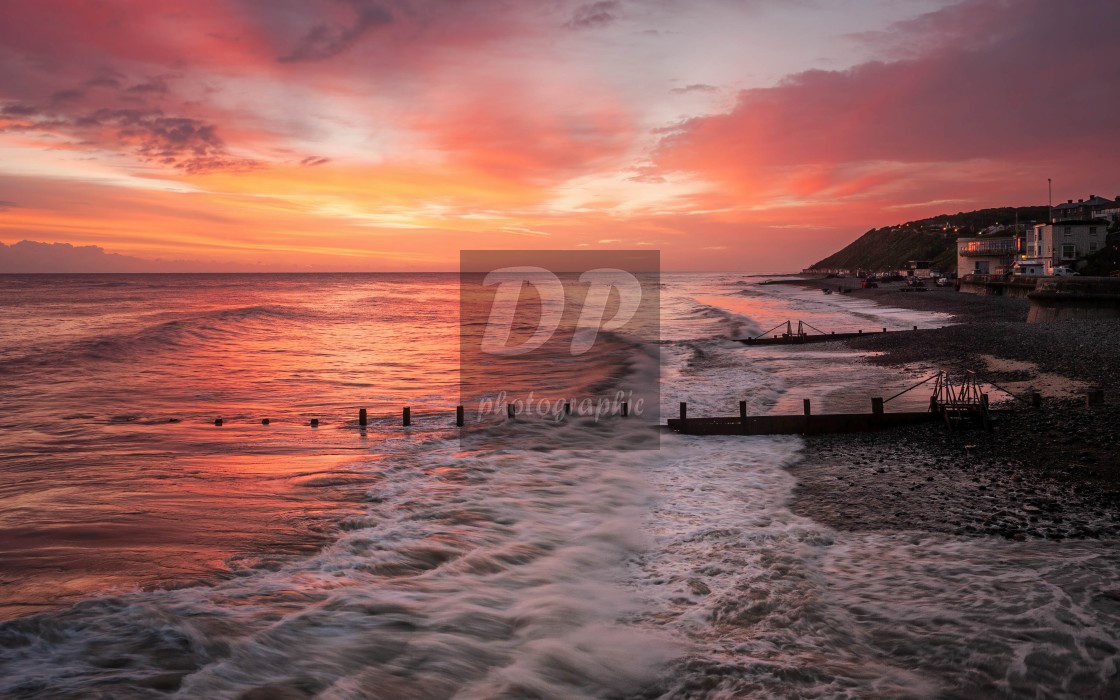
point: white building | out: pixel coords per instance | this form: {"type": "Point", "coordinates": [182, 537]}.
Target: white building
{"type": "Point", "coordinates": [985, 255]}
{"type": "Point", "coordinates": [1062, 243]}
{"type": "Point", "coordinates": [1031, 267]}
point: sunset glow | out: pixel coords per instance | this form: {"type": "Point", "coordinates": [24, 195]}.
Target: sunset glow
{"type": "Point", "coordinates": [752, 135]}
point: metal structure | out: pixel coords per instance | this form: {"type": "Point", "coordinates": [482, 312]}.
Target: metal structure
{"type": "Point", "coordinates": [960, 403]}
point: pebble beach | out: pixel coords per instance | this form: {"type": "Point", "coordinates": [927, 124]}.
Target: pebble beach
{"type": "Point", "coordinates": [1051, 472]}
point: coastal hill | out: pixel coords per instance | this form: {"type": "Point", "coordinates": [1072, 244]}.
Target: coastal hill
{"type": "Point", "coordinates": [933, 239]}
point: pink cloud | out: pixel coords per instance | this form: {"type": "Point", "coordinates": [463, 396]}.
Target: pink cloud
{"type": "Point", "coordinates": [1024, 82]}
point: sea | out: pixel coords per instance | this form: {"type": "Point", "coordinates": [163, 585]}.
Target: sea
{"type": "Point", "coordinates": [147, 552]}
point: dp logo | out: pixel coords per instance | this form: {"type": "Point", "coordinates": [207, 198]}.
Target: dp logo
{"type": "Point", "coordinates": [510, 281]}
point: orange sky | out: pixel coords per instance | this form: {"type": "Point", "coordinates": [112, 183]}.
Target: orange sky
{"type": "Point", "coordinates": [747, 135]}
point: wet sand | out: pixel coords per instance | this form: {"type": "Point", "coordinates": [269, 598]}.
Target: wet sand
{"type": "Point", "coordinates": [1051, 472]}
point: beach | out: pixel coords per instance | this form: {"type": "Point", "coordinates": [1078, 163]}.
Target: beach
{"type": "Point", "coordinates": [1051, 472]}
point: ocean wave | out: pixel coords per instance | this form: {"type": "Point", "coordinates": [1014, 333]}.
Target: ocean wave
{"type": "Point", "coordinates": [181, 332]}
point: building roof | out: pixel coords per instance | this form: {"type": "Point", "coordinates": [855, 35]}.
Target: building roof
{"type": "Point", "coordinates": [1092, 201]}
{"type": "Point", "coordinates": [1080, 222]}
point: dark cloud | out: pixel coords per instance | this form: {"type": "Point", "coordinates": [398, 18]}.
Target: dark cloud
{"type": "Point", "coordinates": [35, 257]}
{"type": "Point", "coordinates": [325, 40]}
{"type": "Point", "coordinates": [109, 81]}
{"type": "Point", "coordinates": [66, 95]}
{"type": "Point", "coordinates": [187, 144]}
{"type": "Point", "coordinates": [155, 85]}
{"type": "Point", "coordinates": [595, 14]}
{"type": "Point", "coordinates": [311, 161]}
{"type": "Point", "coordinates": [696, 87]}
{"type": "Point", "coordinates": [6, 205]}
{"type": "Point", "coordinates": [18, 110]}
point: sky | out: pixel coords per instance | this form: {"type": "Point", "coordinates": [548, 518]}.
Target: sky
{"type": "Point", "coordinates": [354, 135]}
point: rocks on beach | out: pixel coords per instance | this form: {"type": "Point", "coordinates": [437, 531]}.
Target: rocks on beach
{"type": "Point", "coordinates": [1051, 472]}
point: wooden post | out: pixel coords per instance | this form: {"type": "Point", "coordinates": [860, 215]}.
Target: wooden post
{"type": "Point", "coordinates": [218, 422]}
{"type": "Point", "coordinates": [264, 421]}
{"type": "Point", "coordinates": [363, 417]}
{"type": "Point", "coordinates": [877, 406]}
{"type": "Point", "coordinates": [314, 422]}
{"type": "Point", "coordinates": [1036, 400]}
{"type": "Point", "coordinates": [625, 409]}
{"type": "Point", "coordinates": [933, 403]}
{"type": "Point", "coordinates": [459, 416]}
{"type": "Point", "coordinates": [684, 410]}
{"type": "Point", "coordinates": [509, 411]}
{"type": "Point", "coordinates": [859, 332]}
{"type": "Point", "coordinates": [915, 328]}
{"type": "Point", "coordinates": [567, 408]}
{"type": "Point", "coordinates": [884, 330]}
{"type": "Point", "coordinates": [406, 416]}
{"type": "Point", "coordinates": [743, 412]}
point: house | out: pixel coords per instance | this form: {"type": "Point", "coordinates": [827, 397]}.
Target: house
{"type": "Point", "coordinates": [1064, 242]}
{"type": "Point", "coordinates": [1083, 209]}
{"type": "Point", "coordinates": [986, 255]}
{"type": "Point", "coordinates": [1111, 212]}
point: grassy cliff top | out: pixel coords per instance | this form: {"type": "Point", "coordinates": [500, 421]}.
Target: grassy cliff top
{"type": "Point", "coordinates": [934, 239]}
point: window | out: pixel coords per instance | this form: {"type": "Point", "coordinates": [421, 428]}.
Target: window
{"type": "Point", "coordinates": [1092, 230]}
{"type": "Point", "coordinates": [1067, 231]}
{"type": "Point", "coordinates": [1069, 251]}
{"type": "Point", "coordinates": [1092, 246]}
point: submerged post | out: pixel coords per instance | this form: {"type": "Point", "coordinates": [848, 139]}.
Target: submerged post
{"type": "Point", "coordinates": [218, 422]}
{"type": "Point", "coordinates": [806, 404]}
{"type": "Point", "coordinates": [884, 330]}
{"type": "Point", "coordinates": [363, 418]}
{"type": "Point", "coordinates": [314, 422]}
{"type": "Point", "coordinates": [743, 412]}
{"type": "Point", "coordinates": [684, 410]}
{"type": "Point", "coordinates": [406, 416]}
{"type": "Point", "coordinates": [459, 416]}
{"type": "Point", "coordinates": [625, 409]}
{"type": "Point", "coordinates": [509, 411]}
{"type": "Point", "coordinates": [567, 408]}
{"type": "Point", "coordinates": [264, 421]}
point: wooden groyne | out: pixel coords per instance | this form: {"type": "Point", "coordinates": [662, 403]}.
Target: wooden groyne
{"type": "Point", "coordinates": [801, 335]}
{"type": "Point", "coordinates": [800, 425]}
{"type": "Point", "coordinates": [957, 404]}
{"type": "Point", "coordinates": [806, 424]}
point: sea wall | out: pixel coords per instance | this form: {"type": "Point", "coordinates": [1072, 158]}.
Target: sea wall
{"type": "Point", "coordinates": [1075, 298]}
{"type": "Point", "coordinates": [996, 285]}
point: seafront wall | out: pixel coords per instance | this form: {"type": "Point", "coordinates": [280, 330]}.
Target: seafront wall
{"type": "Point", "coordinates": [1075, 298]}
{"type": "Point", "coordinates": [996, 285]}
